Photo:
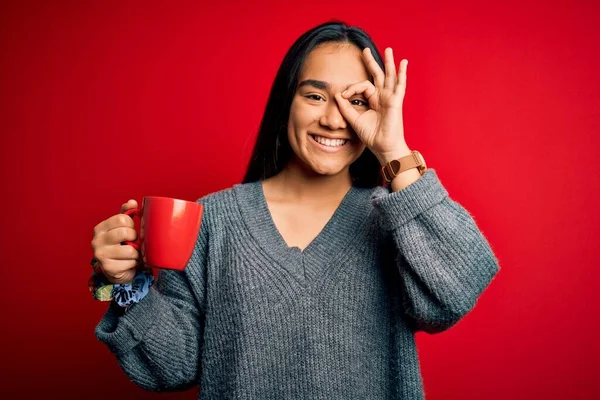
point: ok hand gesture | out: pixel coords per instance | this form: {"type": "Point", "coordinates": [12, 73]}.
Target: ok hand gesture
{"type": "Point", "coordinates": [380, 128]}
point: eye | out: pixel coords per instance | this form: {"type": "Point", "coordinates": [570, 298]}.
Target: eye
{"type": "Point", "coordinates": [314, 97]}
{"type": "Point", "coordinates": [359, 102]}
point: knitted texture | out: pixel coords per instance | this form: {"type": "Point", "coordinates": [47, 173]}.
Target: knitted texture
{"type": "Point", "coordinates": [251, 318]}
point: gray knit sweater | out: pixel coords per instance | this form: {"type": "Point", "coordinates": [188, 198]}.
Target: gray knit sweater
{"type": "Point", "coordinates": [251, 318]}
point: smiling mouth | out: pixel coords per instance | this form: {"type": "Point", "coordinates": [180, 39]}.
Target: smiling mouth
{"type": "Point", "coordinates": [333, 143]}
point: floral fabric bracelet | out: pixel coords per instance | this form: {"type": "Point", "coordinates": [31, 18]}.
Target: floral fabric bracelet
{"type": "Point", "coordinates": [124, 294]}
{"type": "Point", "coordinates": [127, 294]}
{"type": "Point", "coordinates": [98, 285]}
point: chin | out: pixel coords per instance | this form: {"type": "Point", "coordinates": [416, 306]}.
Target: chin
{"type": "Point", "coordinates": [328, 170]}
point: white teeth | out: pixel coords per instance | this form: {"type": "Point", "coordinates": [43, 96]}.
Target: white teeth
{"type": "Point", "coordinates": [329, 142]}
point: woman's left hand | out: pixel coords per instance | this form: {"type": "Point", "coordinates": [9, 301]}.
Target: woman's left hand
{"type": "Point", "coordinates": [380, 128]}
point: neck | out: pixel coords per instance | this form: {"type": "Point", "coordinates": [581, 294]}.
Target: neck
{"type": "Point", "coordinates": [296, 183]}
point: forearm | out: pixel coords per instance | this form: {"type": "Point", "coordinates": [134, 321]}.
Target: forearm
{"type": "Point", "coordinates": [156, 341]}
{"type": "Point", "coordinates": [446, 265]}
{"type": "Point", "coordinates": [444, 260]}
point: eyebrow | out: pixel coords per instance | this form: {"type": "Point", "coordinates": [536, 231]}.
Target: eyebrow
{"type": "Point", "coordinates": [315, 83]}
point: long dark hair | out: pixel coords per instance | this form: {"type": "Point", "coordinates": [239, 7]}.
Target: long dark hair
{"type": "Point", "coordinates": [272, 150]}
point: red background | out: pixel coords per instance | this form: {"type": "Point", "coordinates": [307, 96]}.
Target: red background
{"type": "Point", "coordinates": [102, 101]}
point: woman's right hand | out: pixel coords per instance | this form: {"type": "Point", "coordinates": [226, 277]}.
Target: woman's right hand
{"type": "Point", "coordinates": [118, 262]}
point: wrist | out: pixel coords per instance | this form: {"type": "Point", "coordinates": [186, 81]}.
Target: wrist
{"type": "Point", "coordinates": [128, 294]}
{"type": "Point", "coordinates": [401, 167]}
{"type": "Point", "coordinates": [403, 179]}
{"type": "Point", "coordinates": [396, 153]}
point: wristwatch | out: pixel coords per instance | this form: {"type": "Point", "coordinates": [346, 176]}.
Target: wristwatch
{"type": "Point", "coordinates": [395, 167]}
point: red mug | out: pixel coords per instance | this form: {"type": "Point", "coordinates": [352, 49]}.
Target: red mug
{"type": "Point", "coordinates": [169, 230]}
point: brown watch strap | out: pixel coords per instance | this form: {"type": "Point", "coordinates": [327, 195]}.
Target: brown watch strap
{"type": "Point", "coordinates": [395, 167]}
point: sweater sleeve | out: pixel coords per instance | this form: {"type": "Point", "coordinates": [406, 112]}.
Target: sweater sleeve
{"type": "Point", "coordinates": [158, 341]}
{"type": "Point", "coordinates": [445, 262]}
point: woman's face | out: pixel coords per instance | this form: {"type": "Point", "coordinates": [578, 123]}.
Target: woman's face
{"type": "Point", "coordinates": [318, 134]}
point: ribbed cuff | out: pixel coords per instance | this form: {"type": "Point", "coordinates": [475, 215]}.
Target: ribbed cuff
{"type": "Point", "coordinates": [397, 208]}
{"type": "Point", "coordinates": [123, 331]}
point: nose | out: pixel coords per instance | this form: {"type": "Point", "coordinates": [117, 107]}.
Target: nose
{"type": "Point", "coordinates": [332, 118]}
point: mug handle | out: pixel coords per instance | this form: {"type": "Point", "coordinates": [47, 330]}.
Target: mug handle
{"type": "Point", "coordinates": [136, 212]}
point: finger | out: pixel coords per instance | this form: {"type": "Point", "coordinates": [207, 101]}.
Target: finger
{"type": "Point", "coordinates": [374, 68]}
{"type": "Point", "coordinates": [130, 205]}
{"type": "Point", "coordinates": [364, 88]}
{"type": "Point", "coordinates": [113, 222]}
{"type": "Point", "coordinates": [348, 112]}
{"type": "Point", "coordinates": [119, 235]}
{"type": "Point", "coordinates": [117, 252]}
{"type": "Point", "coordinates": [401, 85]}
{"type": "Point", "coordinates": [390, 70]}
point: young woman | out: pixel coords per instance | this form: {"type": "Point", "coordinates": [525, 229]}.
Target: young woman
{"type": "Point", "coordinates": [309, 279]}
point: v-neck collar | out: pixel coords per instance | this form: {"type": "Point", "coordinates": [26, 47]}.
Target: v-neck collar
{"type": "Point", "coordinates": [338, 232]}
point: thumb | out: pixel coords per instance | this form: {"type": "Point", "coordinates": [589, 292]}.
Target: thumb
{"type": "Point", "coordinates": [130, 205]}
